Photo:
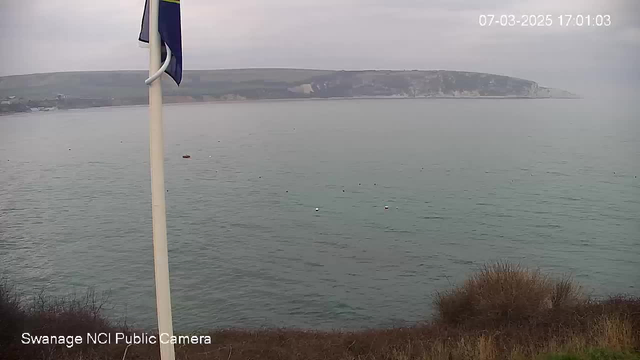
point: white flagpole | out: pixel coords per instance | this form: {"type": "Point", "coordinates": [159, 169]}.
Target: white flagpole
{"type": "Point", "coordinates": [158, 207]}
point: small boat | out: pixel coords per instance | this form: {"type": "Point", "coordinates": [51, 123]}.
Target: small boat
{"type": "Point", "coordinates": [186, 156]}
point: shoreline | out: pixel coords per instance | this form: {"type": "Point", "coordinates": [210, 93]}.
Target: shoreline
{"type": "Point", "coordinates": [251, 101]}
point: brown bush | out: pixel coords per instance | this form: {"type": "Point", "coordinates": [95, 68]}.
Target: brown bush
{"type": "Point", "coordinates": [504, 293]}
{"type": "Point", "coordinates": [566, 293]}
{"type": "Point", "coordinates": [11, 314]}
{"type": "Point", "coordinates": [49, 315]}
{"type": "Point", "coordinates": [70, 315]}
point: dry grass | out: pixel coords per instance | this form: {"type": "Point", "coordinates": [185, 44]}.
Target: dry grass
{"type": "Point", "coordinates": [613, 332]}
{"type": "Point", "coordinates": [502, 312]}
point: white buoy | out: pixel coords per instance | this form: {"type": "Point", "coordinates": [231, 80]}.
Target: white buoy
{"type": "Point", "coordinates": [317, 209]}
{"type": "Point", "coordinates": [386, 207]}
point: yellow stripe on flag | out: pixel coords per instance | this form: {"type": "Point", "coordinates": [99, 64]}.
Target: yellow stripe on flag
{"type": "Point", "coordinates": [173, 1]}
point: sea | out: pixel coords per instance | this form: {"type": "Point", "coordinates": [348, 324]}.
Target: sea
{"type": "Point", "coordinates": [412, 195]}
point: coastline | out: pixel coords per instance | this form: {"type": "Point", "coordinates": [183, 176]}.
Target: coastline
{"type": "Point", "coordinates": [249, 101]}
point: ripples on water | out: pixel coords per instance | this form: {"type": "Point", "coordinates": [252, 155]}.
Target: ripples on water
{"type": "Point", "coordinates": [466, 182]}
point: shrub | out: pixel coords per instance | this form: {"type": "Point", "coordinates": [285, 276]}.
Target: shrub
{"type": "Point", "coordinates": [566, 293]}
{"type": "Point", "coordinates": [505, 293]}
{"type": "Point", "coordinates": [11, 314]}
{"type": "Point", "coordinates": [70, 315]}
{"type": "Point", "coordinates": [48, 315]}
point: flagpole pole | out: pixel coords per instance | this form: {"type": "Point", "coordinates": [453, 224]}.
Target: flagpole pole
{"type": "Point", "coordinates": [158, 206]}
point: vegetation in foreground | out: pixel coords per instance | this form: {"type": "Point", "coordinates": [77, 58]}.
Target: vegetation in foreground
{"type": "Point", "coordinates": [503, 311]}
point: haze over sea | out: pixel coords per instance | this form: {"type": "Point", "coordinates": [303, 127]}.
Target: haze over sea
{"type": "Point", "coordinates": [548, 183]}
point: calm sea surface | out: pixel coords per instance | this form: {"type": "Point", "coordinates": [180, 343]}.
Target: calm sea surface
{"type": "Point", "coordinates": [547, 183]}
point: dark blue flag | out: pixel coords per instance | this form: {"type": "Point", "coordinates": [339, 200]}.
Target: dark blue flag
{"type": "Point", "coordinates": [170, 33]}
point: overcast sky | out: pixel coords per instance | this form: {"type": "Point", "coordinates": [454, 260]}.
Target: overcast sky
{"type": "Point", "coordinates": [66, 35]}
